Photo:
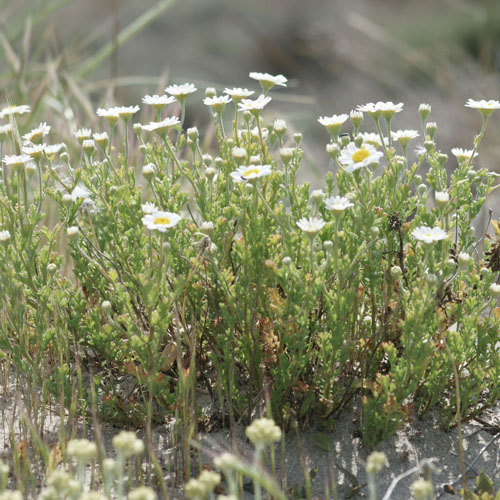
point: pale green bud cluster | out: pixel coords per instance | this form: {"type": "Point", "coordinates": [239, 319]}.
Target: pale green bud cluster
{"type": "Point", "coordinates": [127, 444]}
{"type": "Point", "coordinates": [263, 431]}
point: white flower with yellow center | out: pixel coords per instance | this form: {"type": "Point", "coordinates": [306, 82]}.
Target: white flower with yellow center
{"type": "Point", "coordinates": [354, 158]}
{"type": "Point", "coordinates": [333, 123]}
{"type": "Point", "coordinates": [34, 150]}
{"type": "Point", "coordinates": [484, 107]}
{"type": "Point", "coordinates": [404, 137]}
{"type": "Point", "coordinates": [163, 126]}
{"type": "Point", "coordinates": [386, 109]}
{"type": "Point", "coordinates": [250, 173]}
{"type": "Point", "coordinates": [160, 221]}
{"type": "Point", "coordinates": [311, 226]}
{"type": "Point", "coordinates": [15, 110]}
{"type": "Point", "coordinates": [254, 105]}
{"type": "Point", "coordinates": [82, 134]}
{"type": "Point", "coordinates": [180, 92]}
{"type": "Point", "coordinates": [111, 115]}
{"type": "Point", "coordinates": [429, 235]}
{"type": "Point", "coordinates": [237, 93]}
{"type": "Point", "coordinates": [267, 81]}
{"type": "Point", "coordinates": [126, 112]}
{"type": "Point", "coordinates": [217, 103]}
{"type": "Point", "coordinates": [37, 134]}
{"type": "Point", "coordinates": [337, 204]}
{"type": "Point", "coordinates": [373, 139]}
{"type": "Point", "coordinates": [463, 155]}
{"type": "Point", "coordinates": [158, 102]}
{"type": "Point", "coordinates": [16, 161]}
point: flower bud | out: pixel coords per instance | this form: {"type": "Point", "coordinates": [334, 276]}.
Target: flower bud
{"type": "Point", "coordinates": [297, 137]}
{"type": "Point", "coordinates": [442, 199]}
{"type": "Point", "coordinates": [210, 173]}
{"type": "Point", "coordinates": [193, 133]}
{"type": "Point", "coordinates": [358, 141]}
{"type": "Point", "coordinates": [396, 272]}
{"type": "Point", "coordinates": [422, 189]}
{"type": "Point", "coordinates": [333, 150]}
{"type": "Point", "coordinates": [207, 227]}
{"type": "Point", "coordinates": [495, 290]}
{"type": "Point", "coordinates": [249, 188]}
{"type": "Point", "coordinates": [286, 154]}
{"type": "Point", "coordinates": [210, 92]}
{"type": "Point", "coordinates": [148, 170]}
{"type": "Point", "coordinates": [424, 110]}
{"type": "Point", "coordinates": [218, 162]}
{"type": "Point", "coordinates": [345, 139]}
{"type": "Point", "coordinates": [429, 145]}
{"type": "Point", "coordinates": [88, 146]}
{"type": "Point", "coordinates": [106, 306]}
{"type": "Point", "coordinates": [463, 259]}
{"type": "Point", "coordinates": [82, 450]}
{"type": "Point", "coordinates": [52, 268]}
{"type": "Point", "coordinates": [279, 127]}
{"type": "Point", "coordinates": [317, 196]}
{"type": "Point", "coordinates": [375, 462]}
{"type": "Point", "coordinates": [430, 129]}
{"type": "Point", "coordinates": [207, 160]}
{"type": "Point", "coordinates": [328, 245]}
{"type": "Point", "coordinates": [263, 431]}
{"type": "Point", "coordinates": [287, 261]}
{"type": "Point", "coordinates": [374, 231]}
{"type": "Point", "coordinates": [356, 118]}
{"type": "Point", "coordinates": [127, 444]}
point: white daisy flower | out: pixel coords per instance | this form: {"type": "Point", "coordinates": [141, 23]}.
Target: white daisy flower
{"type": "Point", "coordinates": [53, 149]}
{"type": "Point", "coordinates": [111, 115]}
{"type": "Point", "coordinates": [237, 93]}
{"type": "Point", "coordinates": [267, 81]}
{"type": "Point", "coordinates": [254, 105]}
{"type": "Point", "coordinates": [4, 236]}
{"type": "Point", "coordinates": [82, 134]}
{"type": "Point", "coordinates": [101, 139]}
{"type": "Point", "coordinates": [217, 103]}
{"type": "Point", "coordinates": [80, 192]}
{"type": "Point", "coordinates": [463, 154]}
{"type": "Point", "coordinates": [5, 130]}
{"type": "Point", "coordinates": [126, 112]}
{"type": "Point", "coordinates": [160, 221]}
{"type": "Point", "coordinates": [181, 91]}
{"type": "Point", "coordinates": [429, 235]}
{"type": "Point", "coordinates": [404, 137]}
{"type": "Point", "coordinates": [163, 126]}
{"type": "Point", "coordinates": [354, 158]}
{"type": "Point", "coordinates": [311, 226]}
{"type": "Point", "coordinates": [16, 161]}
{"type": "Point", "coordinates": [148, 208]}
{"type": "Point", "coordinates": [333, 123]}
{"type": "Point", "coordinates": [372, 138]}
{"type": "Point", "coordinates": [484, 107]}
{"type": "Point", "coordinates": [375, 110]}
{"type": "Point", "coordinates": [250, 172]}
{"type": "Point", "coordinates": [35, 151]}
{"type": "Point", "coordinates": [15, 110]}
{"type": "Point", "coordinates": [36, 135]}
{"type": "Point", "coordinates": [158, 102]}
{"type": "Point", "coordinates": [337, 204]}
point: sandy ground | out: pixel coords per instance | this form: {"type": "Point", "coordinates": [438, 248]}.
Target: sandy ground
{"type": "Point", "coordinates": [418, 440]}
{"type": "Point", "coordinates": [340, 452]}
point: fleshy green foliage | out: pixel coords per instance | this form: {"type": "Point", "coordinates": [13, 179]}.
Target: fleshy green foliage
{"type": "Point", "coordinates": [236, 297]}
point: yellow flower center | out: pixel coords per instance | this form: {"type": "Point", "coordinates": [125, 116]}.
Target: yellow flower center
{"type": "Point", "coordinates": [251, 171]}
{"type": "Point", "coordinates": [360, 155]}
{"type": "Point", "coordinates": [162, 220]}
